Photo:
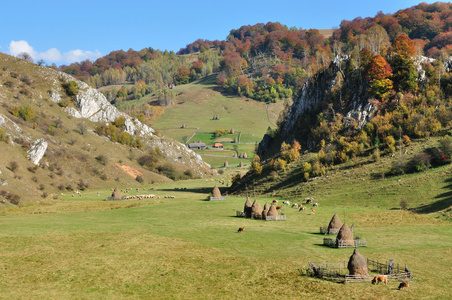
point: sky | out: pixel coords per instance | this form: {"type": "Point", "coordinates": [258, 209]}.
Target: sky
{"type": "Point", "coordinates": [63, 32]}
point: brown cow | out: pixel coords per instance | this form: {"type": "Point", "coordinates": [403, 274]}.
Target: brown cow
{"type": "Point", "coordinates": [278, 207]}
{"type": "Point", "coordinates": [302, 208]}
{"type": "Point", "coordinates": [403, 284]}
{"type": "Point", "coordinates": [241, 229]}
{"type": "Point", "coordinates": [380, 278]}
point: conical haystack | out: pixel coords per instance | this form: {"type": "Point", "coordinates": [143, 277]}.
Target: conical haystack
{"type": "Point", "coordinates": [265, 211]}
{"type": "Point", "coordinates": [216, 192]}
{"type": "Point", "coordinates": [247, 208]}
{"type": "Point", "coordinates": [272, 211]}
{"type": "Point", "coordinates": [116, 194]}
{"type": "Point", "coordinates": [345, 235]}
{"type": "Point", "coordinates": [335, 225]}
{"type": "Point", "coordinates": [256, 210]}
{"type": "Point", "coordinates": [357, 265]}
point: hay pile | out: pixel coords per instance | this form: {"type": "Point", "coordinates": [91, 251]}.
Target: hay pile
{"type": "Point", "coordinates": [357, 264]}
{"type": "Point", "coordinates": [256, 210]}
{"type": "Point", "coordinates": [272, 211]}
{"type": "Point", "coordinates": [116, 194]}
{"type": "Point", "coordinates": [335, 225]}
{"type": "Point", "coordinates": [216, 192]}
{"type": "Point", "coordinates": [247, 209]}
{"type": "Point", "coordinates": [345, 235]}
{"type": "Point", "coordinates": [265, 211]}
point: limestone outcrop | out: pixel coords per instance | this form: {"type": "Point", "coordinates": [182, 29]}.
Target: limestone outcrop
{"type": "Point", "coordinates": [37, 151]}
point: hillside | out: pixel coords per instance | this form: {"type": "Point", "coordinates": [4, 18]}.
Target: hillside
{"type": "Point", "coordinates": [36, 106]}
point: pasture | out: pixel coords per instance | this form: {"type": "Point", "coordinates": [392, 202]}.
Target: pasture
{"type": "Point", "coordinates": [188, 248]}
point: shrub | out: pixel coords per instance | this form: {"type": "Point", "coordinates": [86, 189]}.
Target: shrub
{"type": "Point", "coordinates": [404, 205]}
{"type": "Point", "coordinates": [139, 178]}
{"type": "Point", "coordinates": [102, 159]}
{"type": "Point", "coordinates": [71, 88]}
{"type": "Point", "coordinates": [13, 166]}
{"type": "Point", "coordinates": [419, 163]}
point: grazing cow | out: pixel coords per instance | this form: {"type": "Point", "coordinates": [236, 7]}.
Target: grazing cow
{"type": "Point", "coordinates": [278, 207]}
{"type": "Point", "coordinates": [302, 208]}
{"type": "Point", "coordinates": [309, 200]}
{"type": "Point", "coordinates": [286, 202]}
{"type": "Point", "coordinates": [241, 229]}
{"type": "Point", "coordinates": [315, 204]}
{"type": "Point", "coordinates": [275, 201]}
{"type": "Point", "coordinates": [295, 205]}
{"type": "Point", "coordinates": [380, 278]}
{"type": "Point", "coordinates": [404, 284]}
{"type": "Point", "coordinates": [313, 212]}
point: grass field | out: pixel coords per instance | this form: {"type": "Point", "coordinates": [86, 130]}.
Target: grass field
{"type": "Point", "coordinates": [188, 248]}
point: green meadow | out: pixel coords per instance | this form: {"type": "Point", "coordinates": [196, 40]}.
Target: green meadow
{"type": "Point", "coordinates": [188, 248]}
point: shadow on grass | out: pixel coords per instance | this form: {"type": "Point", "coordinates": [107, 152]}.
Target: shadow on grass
{"type": "Point", "coordinates": [445, 201]}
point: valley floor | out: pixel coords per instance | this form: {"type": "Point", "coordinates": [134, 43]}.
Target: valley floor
{"type": "Point", "coordinates": [189, 248]}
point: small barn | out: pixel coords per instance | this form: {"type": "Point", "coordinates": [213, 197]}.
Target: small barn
{"type": "Point", "coordinates": [197, 146]}
{"type": "Point", "coordinates": [217, 146]}
{"type": "Point", "coordinates": [357, 264]}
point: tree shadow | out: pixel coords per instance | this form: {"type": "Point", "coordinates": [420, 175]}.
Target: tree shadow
{"type": "Point", "coordinates": [445, 201]}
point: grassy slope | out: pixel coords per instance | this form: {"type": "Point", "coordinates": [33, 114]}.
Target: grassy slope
{"type": "Point", "coordinates": [68, 150]}
{"type": "Point", "coordinates": [188, 248]}
{"type": "Point", "coordinates": [198, 102]}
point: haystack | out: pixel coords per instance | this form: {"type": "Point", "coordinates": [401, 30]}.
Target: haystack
{"type": "Point", "coordinates": [245, 155]}
{"type": "Point", "coordinates": [116, 194]}
{"type": "Point", "coordinates": [272, 211]}
{"type": "Point", "coordinates": [357, 265]}
{"type": "Point", "coordinates": [265, 211]}
{"type": "Point", "coordinates": [345, 235]}
{"type": "Point", "coordinates": [241, 164]}
{"type": "Point", "coordinates": [247, 208]}
{"type": "Point", "coordinates": [232, 131]}
{"type": "Point", "coordinates": [226, 164]}
{"type": "Point", "coordinates": [335, 225]}
{"type": "Point", "coordinates": [216, 192]}
{"type": "Point", "coordinates": [256, 210]}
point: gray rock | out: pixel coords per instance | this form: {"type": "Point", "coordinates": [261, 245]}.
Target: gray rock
{"type": "Point", "coordinates": [37, 150]}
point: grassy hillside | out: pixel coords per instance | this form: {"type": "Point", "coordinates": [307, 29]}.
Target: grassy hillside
{"type": "Point", "coordinates": [76, 157]}
{"type": "Point", "coordinates": [195, 106]}
{"type": "Point", "coordinates": [189, 248]}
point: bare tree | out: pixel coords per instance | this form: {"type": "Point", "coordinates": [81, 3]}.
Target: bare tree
{"type": "Point", "coordinates": [25, 56]}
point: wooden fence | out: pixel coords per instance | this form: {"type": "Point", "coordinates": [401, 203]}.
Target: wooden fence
{"type": "Point", "coordinates": [386, 267]}
{"type": "Point", "coordinates": [276, 218]}
{"type": "Point", "coordinates": [368, 278]}
{"type": "Point", "coordinates": [217, 198]}
{"type": "Point", "coordinates": [333, 243]}
{"type": "Point", "coordinates": [239, 213]}
{"type": "Point", "coordinates": [337, 271]}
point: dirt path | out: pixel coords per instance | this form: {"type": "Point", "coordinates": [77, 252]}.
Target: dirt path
{"type": "Point", "coordinates": [129, 170]}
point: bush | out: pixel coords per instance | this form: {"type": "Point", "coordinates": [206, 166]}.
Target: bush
{"type": "Point", "coordinates": [419, 163]}
{"type": "Point", "coordinates": [139, 178]}
{"type": "Point", "coordinates": [404, 205]}
{"type": "Point", "coordinates": [102, 159]}
{"type": "Point", "coordinates": [71, 88]}
{"type": "Point", "coordinates": [13, 166]}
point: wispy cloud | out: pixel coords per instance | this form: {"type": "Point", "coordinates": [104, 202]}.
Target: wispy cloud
{"type": "Point", "coordinates": [53, 55]}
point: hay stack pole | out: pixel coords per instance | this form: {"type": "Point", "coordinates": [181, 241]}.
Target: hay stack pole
{"type": "Point", "coordinates": [256, 209]}
{"type": "Point", "coordinates": [357, 264]}
{"type": "Point", "coordinates": [265, 211]}
{"type": "Point", "coordinates": [116, 194]}
{"type": "Point", "coordinates": [247, 209]}
{"type": "Point", "coordinates": [216, 192]}
{"type": "Point", "coordinates": [335, 225]}
{"type": "Point", "coordinates": [345, 234]}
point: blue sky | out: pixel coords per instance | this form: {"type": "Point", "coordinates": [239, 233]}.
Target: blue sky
{"type": "Point", "coordinates": [63, 32]}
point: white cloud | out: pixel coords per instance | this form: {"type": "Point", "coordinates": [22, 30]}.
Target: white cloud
{"type": "Point", "coordinates": [53, 55]}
